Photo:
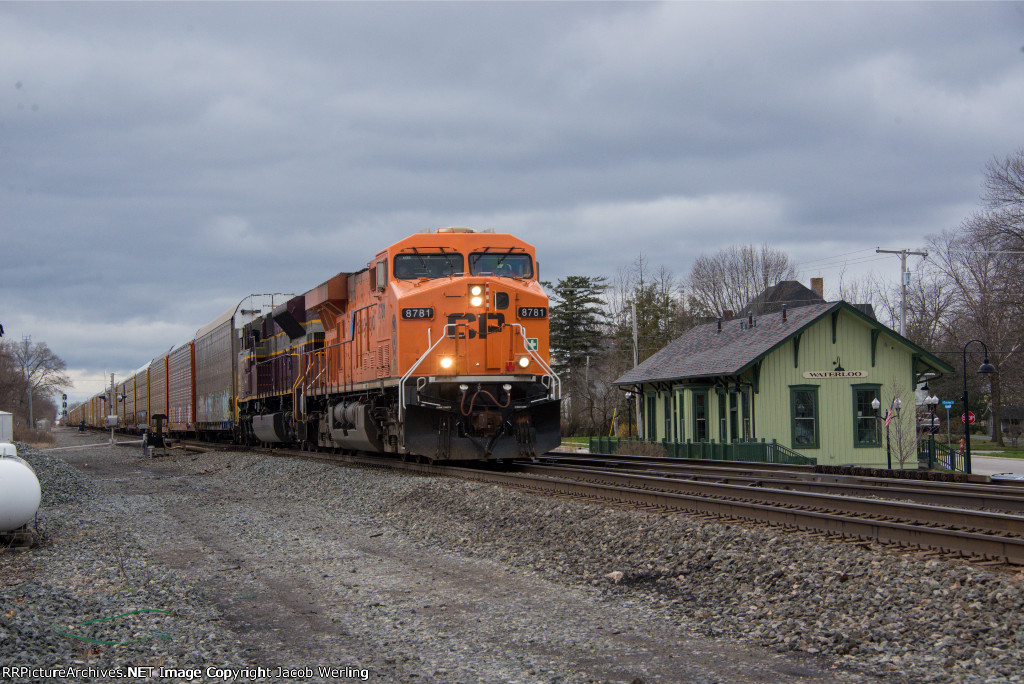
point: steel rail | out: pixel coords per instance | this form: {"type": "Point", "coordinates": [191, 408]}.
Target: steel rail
{"type": "Point", "coordinates": [993, 498]}
{"type": "Point", "coordinates": [978, 482]}
{"type": "Point", "coordinates": [918, 513]}
{"type": "Point", "coordinates": [739, 470]}
{"type": "Point", "coordinates": [569, 457]}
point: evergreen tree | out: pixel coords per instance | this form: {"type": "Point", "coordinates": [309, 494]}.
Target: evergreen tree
{"type": "Point", "coordinates": [576, 321]}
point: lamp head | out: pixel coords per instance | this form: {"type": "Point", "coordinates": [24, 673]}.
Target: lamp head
{"type": "Point", "coordinates": [875, 404]}
{"type": "Point", "coordinates": [987, 367]}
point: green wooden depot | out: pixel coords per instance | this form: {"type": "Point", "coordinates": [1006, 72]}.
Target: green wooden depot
{"type": "Point", "coordinates": [799, 381]}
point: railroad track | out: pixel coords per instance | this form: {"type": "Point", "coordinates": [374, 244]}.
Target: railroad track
{"type": "Point", "coordinates": [969, 532]}
{"type": "Point", "coordinates": [1005, 498]}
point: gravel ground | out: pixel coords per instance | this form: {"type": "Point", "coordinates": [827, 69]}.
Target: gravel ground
{"type": "Point", "coordinates": [89, 568]}
{"type": "Point", "coordinates": [271, 562]}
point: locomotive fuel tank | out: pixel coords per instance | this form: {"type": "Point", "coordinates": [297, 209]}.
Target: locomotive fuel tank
{"type": "Point", "coordinates": [353, 428]}
{"type": "Point", "coordinates": [272, 428]}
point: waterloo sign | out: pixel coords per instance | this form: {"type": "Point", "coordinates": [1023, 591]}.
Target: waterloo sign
{"type": "Point", "coordinates": [828, 375]}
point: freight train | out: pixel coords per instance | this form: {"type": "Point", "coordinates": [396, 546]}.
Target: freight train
{"type": "Point", "coordinates": [437, 350]}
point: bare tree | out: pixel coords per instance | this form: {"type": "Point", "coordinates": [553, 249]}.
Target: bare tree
{"type": "Point", "coordinates": [1004, 197]}
{"type": "Point", "coordinates": [39, 373]}
{"type": "Point", "coordinates": [734, 276]}
{"type": "Point", "coordinates": [930, 301]}
{"type": "Point", "coordinates": [985, 303]}
{"type": "Point", "coordinates": [857, 290]}
{"type": "Point", "coordinates": [902, 430]}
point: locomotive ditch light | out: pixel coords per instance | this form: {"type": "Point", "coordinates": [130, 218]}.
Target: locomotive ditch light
{"type": "Point", "coordinates": [524, 361]}
{"type": "Point", "coordinates": [476, 295]}
{"type": "Point", "coordinates": [446, 362]}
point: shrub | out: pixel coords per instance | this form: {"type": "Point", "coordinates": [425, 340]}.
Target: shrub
{"type": "Point", "coordinates": [33, 437]}
{"type": "Point", "coordinates": [637, 448]}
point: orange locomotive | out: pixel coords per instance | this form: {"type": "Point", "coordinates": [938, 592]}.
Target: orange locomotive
{"type": "Point", "coordinates": [438, 349]}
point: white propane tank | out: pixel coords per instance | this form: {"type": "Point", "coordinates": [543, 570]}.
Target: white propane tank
{"type": "Point", "coordinates": [19, 490]}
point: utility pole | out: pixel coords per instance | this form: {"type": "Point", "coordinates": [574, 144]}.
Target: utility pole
{"type": "Point", "coordinates": [905, 280]}
{"type": "Point", "coordinates": [636, 362]}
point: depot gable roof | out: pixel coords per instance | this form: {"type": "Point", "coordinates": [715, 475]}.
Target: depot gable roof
{"type": "Point", "coordinates": [705, 351]}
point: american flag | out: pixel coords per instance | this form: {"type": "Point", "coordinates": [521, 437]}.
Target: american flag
{"type": "Point", "coordinates": [888, 417]}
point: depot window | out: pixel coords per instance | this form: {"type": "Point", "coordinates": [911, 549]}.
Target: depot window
{"type": "Point", "coordinates": [501, 264]}
{"type": "Point", "coordinates": [803, 403]}
{"type": "Point", "coordinates": [866, 430]}
{"type": "Point", "coordinates": [700, 416]}
{"type": "Point", "coordinates": [428, 265]}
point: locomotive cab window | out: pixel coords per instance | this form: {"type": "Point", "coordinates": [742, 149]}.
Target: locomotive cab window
{"type": "Point", "coordinates": [501, 264]}
{"type": "Point", "coordinates": [419, 265]}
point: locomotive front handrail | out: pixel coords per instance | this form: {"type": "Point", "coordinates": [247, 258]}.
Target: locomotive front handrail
{"type": "Point", "coordinates": [540, 362]}
{"type": "Point", "coordinates": [430, 348]}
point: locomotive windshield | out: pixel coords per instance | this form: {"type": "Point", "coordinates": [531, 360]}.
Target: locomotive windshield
{"type": "Point", "coordinates": [501, 264]}
{"type": "Point", "coordinates": [420, 265]}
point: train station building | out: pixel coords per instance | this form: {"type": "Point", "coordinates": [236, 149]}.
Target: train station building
{"type": "Point", "coordinates": [803, 380]}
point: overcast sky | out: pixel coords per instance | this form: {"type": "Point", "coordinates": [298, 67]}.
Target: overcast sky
{"type": "Point", "coordinates": [158, 162]}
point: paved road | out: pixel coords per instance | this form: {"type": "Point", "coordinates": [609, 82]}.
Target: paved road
{"type": "Point", "coordinates": [990, 465]}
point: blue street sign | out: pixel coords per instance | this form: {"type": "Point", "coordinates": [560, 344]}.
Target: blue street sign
{"type": "Point", "coordinates": [947, 404]}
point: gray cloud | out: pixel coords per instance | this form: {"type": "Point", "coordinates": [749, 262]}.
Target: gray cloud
{"type": "Point", "coordinates": [159, 160]}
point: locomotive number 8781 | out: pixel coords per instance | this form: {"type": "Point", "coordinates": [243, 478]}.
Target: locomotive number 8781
{"type": "Point", "coordinates": [439, 349]}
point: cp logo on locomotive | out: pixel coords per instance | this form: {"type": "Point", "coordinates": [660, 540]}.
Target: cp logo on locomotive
{"type": "Point", "coordinates": [483, 328]}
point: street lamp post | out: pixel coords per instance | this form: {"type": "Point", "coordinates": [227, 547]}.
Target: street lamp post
{"type": "Point", "coordinates": [931, 402]}
{"type": "Point", "coordinates": [629, 412]}
{"type": "Point", "coordinates": [875, 406]}
{"type": "Point", "coordinates": [987, 368]}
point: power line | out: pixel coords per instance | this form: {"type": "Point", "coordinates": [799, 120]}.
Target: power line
{"type": "Point", "coordinates": [837, 256]}
{"type": "Point", "coordinates": [838, 264]}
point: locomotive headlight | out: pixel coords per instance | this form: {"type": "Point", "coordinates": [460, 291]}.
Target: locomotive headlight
{"type": "Point", "coordinates": [524, 361]}
{"type": "Point", "coordinates": [446, 362]}
{"type": "Point", "coordinates": [476, 301]}
{"type": "Point", "coordinates": [476, 290]}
